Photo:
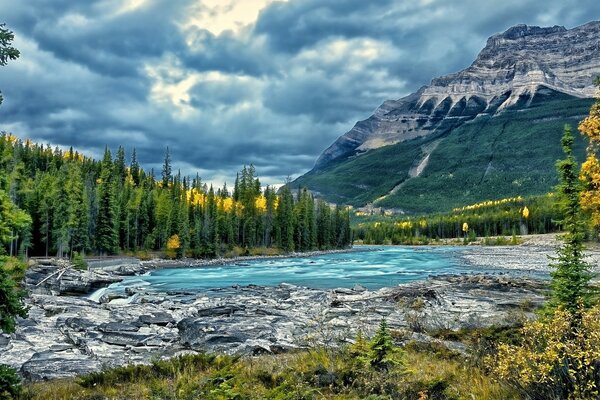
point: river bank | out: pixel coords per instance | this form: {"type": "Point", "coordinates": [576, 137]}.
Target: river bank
{"type": "Point", "coordinates": [67, 333]}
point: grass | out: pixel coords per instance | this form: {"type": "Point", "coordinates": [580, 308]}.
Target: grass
{"type": "Point", "coordinates": [319, 373]}
{"type": "Point", "coordinates": [512, 153]}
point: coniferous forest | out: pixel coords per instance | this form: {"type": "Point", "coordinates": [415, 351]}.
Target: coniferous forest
{"type": "Point", "coordinates": [70, 204]}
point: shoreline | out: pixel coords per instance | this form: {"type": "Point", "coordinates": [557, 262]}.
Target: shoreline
{"type": "Point", "coordinates": [162, 263]}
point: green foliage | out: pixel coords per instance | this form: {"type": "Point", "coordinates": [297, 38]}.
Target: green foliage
{"type": "Point", "coordinates": [571, 275]}
{"type": "Point", "coordinates": [7, 52]}
{"type": "Point", "coordinates": [491, 157]}
{"type": "Point", "coordinates": [324, 373]}
{"type": "Point", "coordinates": [10, 383]}
{"type": "Point", "coordinates": [79, 262]}
{"type": "Point", "coordinates": [382, 352]}
{"type": "Point", "coordinates": [489, 218]}
{"type": "Point", "coordinates": [158, 368]}
{"type": "Point", "coordinates": [11, 297]}
{"type": "Point", "coordinates": [106, 222]}
{"type": "Point", "coordinates": [62, 202]}
{"type": "Point", "coordinates": [14, 224]}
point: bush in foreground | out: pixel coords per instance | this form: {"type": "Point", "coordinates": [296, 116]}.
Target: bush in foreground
{"type": "Point", "coordinates": [10, 383]}
{"type": "Point", "coordinates": [558, 358]}
{"type": "Point", "coordinates": [323, 373]}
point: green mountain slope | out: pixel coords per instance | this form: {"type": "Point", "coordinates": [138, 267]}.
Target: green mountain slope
{"type": "Point", "coordinates": [512, 152]}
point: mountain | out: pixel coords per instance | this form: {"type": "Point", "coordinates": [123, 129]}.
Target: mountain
{"type": "Point", "coordinates": [488, 131]}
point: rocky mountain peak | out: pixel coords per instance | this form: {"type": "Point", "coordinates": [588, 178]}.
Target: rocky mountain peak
{"type": "Point", "coordinates": [522, 30]}
{"type": "Point", "coordinates": [513, 65]}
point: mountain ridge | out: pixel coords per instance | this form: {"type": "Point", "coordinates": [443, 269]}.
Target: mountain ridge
{"type": "Point", "coordinates": [541, 78]}
{"type": "Point", "coordinates": [512, 63]}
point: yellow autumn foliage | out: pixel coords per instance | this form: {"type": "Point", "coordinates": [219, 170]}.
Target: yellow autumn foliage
{"type": "Point", "coordinates": [590, 196]}
{"type": "Point", "coordinates": [489, 203]}
{"type": "Point", "coordinates": [557, 358]}
{"type": "Point", "coordinates": [590, 126]}
{"type": "Point", "coordinates": [261, 203]}
{"type": "Point", "coordinates": [195, 197]}
{"type": "Point", "coordinates": [10, 138]}
{"type": "Point", "coordinates": [525, 212]}
{"type": "Point", "coordinates": [173, 243]}
{"type": "Point", "coordinates": [590, 169]}
{"type": "Point", "coordinates": [226, 204]}
{"type": "Point", "coordinates": [465, 227]}
{"type": "Point", "coordinates": [404, 225]}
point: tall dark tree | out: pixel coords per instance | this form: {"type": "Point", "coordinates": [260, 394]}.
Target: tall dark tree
{"type": "Point", "coordinates": [285, 220]}
{"type": "Point", "coordinates": [134, 168]}
{"type": "Point", "coordinates": [166, 170]}
{"type": "Point", "coordinates": [571, 275]}
{"type": "Point", "coordinates": [106, 226]}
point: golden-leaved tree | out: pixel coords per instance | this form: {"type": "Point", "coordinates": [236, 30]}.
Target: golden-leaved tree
{"type": "Point", "coordinates": [590, 169]}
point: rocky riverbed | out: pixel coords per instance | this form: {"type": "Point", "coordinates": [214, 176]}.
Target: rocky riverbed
{"type": "Point", "coordinates": [68, 333]}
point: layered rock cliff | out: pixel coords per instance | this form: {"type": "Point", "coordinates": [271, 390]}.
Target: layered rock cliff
{"type": "Point", "coordinates": [512, 67]}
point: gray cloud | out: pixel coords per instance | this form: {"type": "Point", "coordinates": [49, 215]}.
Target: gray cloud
{"type": "Point", "coordinates": [274, 93]}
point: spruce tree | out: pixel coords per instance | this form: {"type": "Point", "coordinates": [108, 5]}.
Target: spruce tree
{"type": "Point", "coordinates": [119, 167]}
{"type": "Point", "coordinates": [382, 352]}
{"type": "Point", "coordinates": [166, 170]}
{"type": "Point", "coordinates": [134, 168]}
{"type": "Point", "coordinates": [285, 220]}
{"type": "Point", "coordinates": [571, 275]}
{"type": "Point", "coordinates": [106, 227]}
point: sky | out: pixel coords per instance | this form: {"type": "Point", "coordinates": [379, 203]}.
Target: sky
{"type": "Point", "coordinates": [225, 83]}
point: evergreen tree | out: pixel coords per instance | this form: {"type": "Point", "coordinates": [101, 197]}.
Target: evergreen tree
{"type": "Point", "coordinates": [106, 229]}
{"type": "Point", "coordinates": [285, 220]}
{"type": "Point", "coordinates": [78, 204]}
{"type": "Point", "coordinates": [77, 211]}
{"type": "Point", "coordinates": [11, 303]}
{"type": "Point", "coordinates": [382, 352]}
{"type": "Point", "coordinates": [119, 167]}
{"type": "Point", "coordinates": [166, 170]}
{"type": "Point", "coordinates": [134, 168]}
{"type": "Point", "coordinates": [571, 275]}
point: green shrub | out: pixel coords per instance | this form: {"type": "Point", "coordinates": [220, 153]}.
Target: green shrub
{"type": "Point", "coordinates": [79, 262]}
{"type": "Point", "coordinates": [10, 383]}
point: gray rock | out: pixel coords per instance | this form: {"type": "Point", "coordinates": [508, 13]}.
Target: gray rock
{"type": "Point", "coordinates": [59, 364]}
{"type": "Point", "coordinates": [518, 62]}
{"type": "Point", "coordinates": [157, 318]}
{"type": "Point", "coordinates": [118, 327]}
{"type": "Point", "coordinates": [83, 335]}
{"type": "Point", "coordinates": [67, 282]}
{"type": "Point", "coordinates": [132, 339]}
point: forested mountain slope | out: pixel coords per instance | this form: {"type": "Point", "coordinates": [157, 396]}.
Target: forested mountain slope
{"type": "Point", "coordinates": [491, 130]}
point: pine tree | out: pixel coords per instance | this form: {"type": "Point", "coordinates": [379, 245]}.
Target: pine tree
{"type": "Point", "coordinates": [285, 220]}
{"type": "Point", "coordinates": [106, 229]}
{"type": "Point", "coordinates": [382, 352]}
{"type": "Point", "coordinates": [119, 167]}
{"type": "Point", "coordinates": [77, 211]}
{"type": "Point", "coordinates": [571, 275]}
{"type": "Point", "coordinates": [134, 168]}
{"type": "Point", "coordinates": [166, 170]}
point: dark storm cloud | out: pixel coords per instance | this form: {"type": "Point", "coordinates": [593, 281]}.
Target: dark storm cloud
{"type": "Point", "coordinates": [226, 53]}
{"type": "Point", "coordinates": [295, 25]}
{"type": "Point", "coordinates": [80, 32]}
{"type": "Point", "coordinates": [274, 93]}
